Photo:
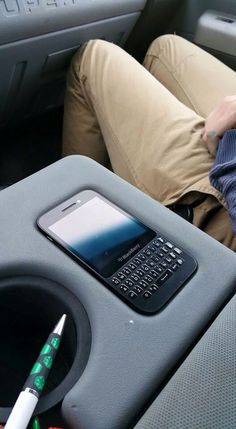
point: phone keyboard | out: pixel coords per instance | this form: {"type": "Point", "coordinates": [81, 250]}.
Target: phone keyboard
{"type": "Point", "coordinates": [145, 274]}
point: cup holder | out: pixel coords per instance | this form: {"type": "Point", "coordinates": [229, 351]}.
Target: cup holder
{"type": "Point", "coordinates": [29, 309]}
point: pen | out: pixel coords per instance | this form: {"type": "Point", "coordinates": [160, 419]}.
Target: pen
{"type": "Point", "coordinates": [29, 396]}
{"type": "Point", "coordinates": [36, 424]}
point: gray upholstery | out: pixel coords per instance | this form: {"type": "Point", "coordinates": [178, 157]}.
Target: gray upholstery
{"type": "Point", "coordinates": [202, 394]}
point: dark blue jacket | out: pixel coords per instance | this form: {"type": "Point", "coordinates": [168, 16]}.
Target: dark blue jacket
{"type": "Point", "coordinates": [223, 172]}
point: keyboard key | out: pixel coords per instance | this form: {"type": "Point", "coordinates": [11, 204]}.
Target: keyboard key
{"type": "Point", "coordinates": [132, 266]}
{"type": "Point", "coordinates": [159, 270]}
{"type": "Point", "coordinates": [126, 271]}
{"type": "Point", "coordinates": [168, 244]}
{"type": "Point", "coordinates": [180, 261]}
{"type": "Point", "coordinates": [168, 260]}
{"type": "Point", "coordinates": [137, 261]}
{"type": "Point", "coordinates": [174, 267]}
{"type": "Point", "coordinates": [134, 277]}
{"type": "Point", "coordinates": [124, 288]}
{"type": "Point", "coordinates": [142, 257]}
{"type": "Point", "coordinates": [138, 289]}
{"type": "Point", "coordinates": [156, 243]}
{"type": "Point", "coordinates": [160, 239]}
{"type": "Point", "coordinates": [129, 283]}
{"type": "Point", "coordinates": [147, 295]}
{"type": "Point", "coordinates": [148, 279]}
{"type": "Point", "coordinates": [121, 276]}
{"type": "Point", "coordinates": [173, 255]}
{"type": "Point", "coordinates": [140, 272]}
{"type": "Point", "coordinates": [164, 264]}
{"type": "Point", "coordinates": [153, 289]}
{"type": "Point", "coordinates": [151, 263]}
{"type": "Point", "coordinates": [147, 252]}
{"type": "Point", "coordinates": [145, 267]}
{"type": "Point", "coordinates": [163, 278]}
{"type": "Point", "coordinates": [177, 250]}
{"type": "Point", "coordinates": [155, 259]}
{"type": "Point", "coordinates": [152, 248]}
{"type": "Point", "coordinates": [142, 284]}
{"type": "Point", "coordinates": [115, 281]}
{"type": "Point", "coordinates": [154, 274]}
{"type": "Point", "coordinates": [160, 254]}
{"type": "Point", "coordinates": [165, 249]}
{"type": "Point", "coordinates": [132, 294]}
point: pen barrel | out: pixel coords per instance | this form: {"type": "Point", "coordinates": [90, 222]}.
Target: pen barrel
{"type": "Point", "coordinates": [22, 411]}
{"type": "Point", "coordinates": [42, 366]}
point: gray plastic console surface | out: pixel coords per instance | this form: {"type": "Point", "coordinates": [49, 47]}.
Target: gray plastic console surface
{"type": "Point", "coordinates": [217, 30]}
{"type": "Point", "coordinates": [20, 19]}
{"type": "Point", "coordinates": [131, 355]}
{"type": "Point", "coordinates": [202, 393]}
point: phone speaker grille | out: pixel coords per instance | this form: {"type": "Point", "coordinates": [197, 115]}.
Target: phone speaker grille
{"type": "Point", "coordinates": [68, 207]}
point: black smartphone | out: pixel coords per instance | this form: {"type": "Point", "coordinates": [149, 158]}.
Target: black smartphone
{"type": "Point", "coordinates": [140, 265]}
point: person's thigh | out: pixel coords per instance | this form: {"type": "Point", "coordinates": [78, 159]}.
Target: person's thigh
{"type": "Point", "coordinates": [194, 76]}
{"type": "Point", "coordinates": [81, 131]}
{"type": "Point", "coordinates": [153, 140]}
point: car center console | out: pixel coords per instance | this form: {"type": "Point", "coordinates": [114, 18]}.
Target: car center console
{"type": "Point", "coordinates": [113, 359]}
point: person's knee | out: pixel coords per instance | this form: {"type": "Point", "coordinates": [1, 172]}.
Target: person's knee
{"type": "Point", "coordinates": [89, 53]}
{"type": "Point", "coordinates": [169, 45]}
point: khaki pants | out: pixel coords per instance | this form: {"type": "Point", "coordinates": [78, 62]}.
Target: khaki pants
{"type": "Point", "coordinates": [147, 122]}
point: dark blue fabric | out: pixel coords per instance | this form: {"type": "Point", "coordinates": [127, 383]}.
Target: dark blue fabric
{"type": "Point", "coordinates": [223, 172]}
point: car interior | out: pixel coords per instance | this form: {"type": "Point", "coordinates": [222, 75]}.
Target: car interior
{"type": "Point", "coordinates": [119, 366]}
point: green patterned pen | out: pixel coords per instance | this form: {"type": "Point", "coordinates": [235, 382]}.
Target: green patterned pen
{"type": "Point", "coordinates": [36, 424]}
{"type": "Point", "coordinates": [29, 396]}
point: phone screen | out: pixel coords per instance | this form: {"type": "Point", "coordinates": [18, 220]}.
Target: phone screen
{"type": "Point", "coordinates": [104, 237]}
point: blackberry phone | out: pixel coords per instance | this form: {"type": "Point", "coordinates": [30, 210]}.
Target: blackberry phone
{"type": "Point", "coordinates": [140, 265]}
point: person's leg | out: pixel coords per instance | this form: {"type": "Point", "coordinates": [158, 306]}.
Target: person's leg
{"type": "Point", "coordinates": [152, 139]}
{"type": "Point", "coordinates": [211, 217]}
{"type": "Point", "coordinates": [195, 77]}
{"type": "Point", "coordinates": [81, 131]}
{"type": "Point", "coordinates": [199, 81]}
{"type": "Point", "coordinates": [148, 133]}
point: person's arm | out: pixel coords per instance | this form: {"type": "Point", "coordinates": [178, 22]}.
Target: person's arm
{"type": "Point", "coordinates": [223, 173]}
{"type": "Point", "coordinates": [219, 135]}
{"type": "Point", "coordinates": [222, 119]}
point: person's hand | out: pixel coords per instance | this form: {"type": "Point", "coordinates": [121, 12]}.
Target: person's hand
{"type": "Point", "coordinates": [222, 119]}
